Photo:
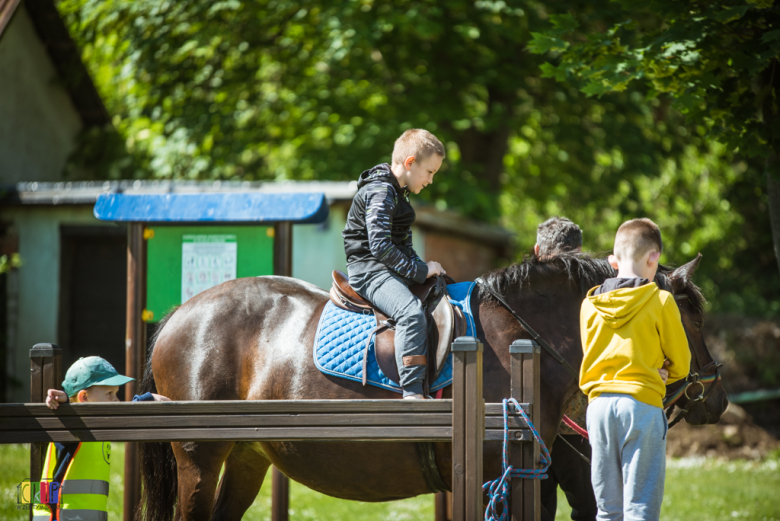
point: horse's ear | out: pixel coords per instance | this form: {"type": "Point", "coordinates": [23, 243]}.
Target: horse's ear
{"type": "Point", "coordinates": [683, 275]}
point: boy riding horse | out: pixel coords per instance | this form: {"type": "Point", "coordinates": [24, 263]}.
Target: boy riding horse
{"type": "Point", "coordinates": [381, 261]}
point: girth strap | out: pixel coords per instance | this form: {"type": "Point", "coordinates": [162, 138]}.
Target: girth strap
{"type": "Point", "coordinates": [530, 331]}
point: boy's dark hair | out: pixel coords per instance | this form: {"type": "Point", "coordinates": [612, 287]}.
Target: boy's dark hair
{"type": "Point", "coordinates": [558, 234]}
{"type": "Point", "coordinates": [636, 237]}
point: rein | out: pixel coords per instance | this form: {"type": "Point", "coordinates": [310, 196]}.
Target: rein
{"type": "Point", "coordinates": [530, 330]}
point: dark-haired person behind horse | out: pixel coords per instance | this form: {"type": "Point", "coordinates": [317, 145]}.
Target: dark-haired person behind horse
{"type": "Point", "coordinates": [568, 469]}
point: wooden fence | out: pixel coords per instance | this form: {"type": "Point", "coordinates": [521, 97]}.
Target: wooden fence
{"type": "Point", "coordinates": [465, 420]}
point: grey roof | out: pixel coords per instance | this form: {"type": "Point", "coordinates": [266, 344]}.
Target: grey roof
{"type": "Point", "coordinates": [86, 193]}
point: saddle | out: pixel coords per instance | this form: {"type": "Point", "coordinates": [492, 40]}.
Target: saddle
{"type": "Point", "coordinates": [445, 322]}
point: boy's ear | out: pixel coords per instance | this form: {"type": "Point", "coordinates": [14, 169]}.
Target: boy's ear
{"type": "Point", "coordinates": [653, 258]}
{"type": "Point", "coordinates": [613, 261]}
{"type": "Point", "coordinates": [81, 396]}
{"type": "Point", "coordinates": [408, 162]}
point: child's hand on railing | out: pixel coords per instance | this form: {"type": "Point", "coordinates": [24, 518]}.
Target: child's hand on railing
{"type": "Point", "coordinates": [54, 398]}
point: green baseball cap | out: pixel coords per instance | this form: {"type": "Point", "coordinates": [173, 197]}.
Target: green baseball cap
{"type": "Point", "coordinates": [89, 371]}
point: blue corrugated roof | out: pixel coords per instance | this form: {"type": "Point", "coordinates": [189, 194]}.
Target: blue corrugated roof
{"type": "Point", "coordinates": [231, 207]}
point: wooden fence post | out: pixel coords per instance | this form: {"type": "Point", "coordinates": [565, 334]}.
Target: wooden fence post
{"type": "Point", "coordinates": [525, 504]}
{"type": "Point", "coordinates": [468, 429]}
{"type": "Point", "coordinates": [135, 354]}
{"type": "Point", "coordinates": [45, 374]}
{"type": "Point", "coordinates": [442, 506]}
{"type": "Point", "coordinates": [280, 484]}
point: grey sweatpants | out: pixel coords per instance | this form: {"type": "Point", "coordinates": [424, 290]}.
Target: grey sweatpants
{"type": "Point", "coordinates": [390, 293]}
{"type": "Point", "coordinates": [628, 463]}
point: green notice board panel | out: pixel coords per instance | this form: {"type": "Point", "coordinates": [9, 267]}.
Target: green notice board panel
{"type": "Point", "coordinates": [182, 261]}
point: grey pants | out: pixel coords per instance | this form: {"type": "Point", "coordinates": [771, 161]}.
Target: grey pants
{"type": "Point", "coordinates": [390, 293]}
{"type": "Point", "coordinates": [628, 463]}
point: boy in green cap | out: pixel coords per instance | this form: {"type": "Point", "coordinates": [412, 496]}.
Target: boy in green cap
{"type": "Point", "coordinates": [78, 473]}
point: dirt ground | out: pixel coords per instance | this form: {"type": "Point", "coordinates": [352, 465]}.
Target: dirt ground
{"type": "Point", "coordinates": [736, 436]}
{"type": "Point", "coordinates": [750, 351]}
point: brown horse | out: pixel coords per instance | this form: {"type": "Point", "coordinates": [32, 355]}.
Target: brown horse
{"type": "Point", "coordinates": [251, 339]}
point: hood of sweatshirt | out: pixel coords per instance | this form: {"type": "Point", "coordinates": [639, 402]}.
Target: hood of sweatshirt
{"type": "Point", "coordinates": [378, 173]}
{"type": "Point", "coordinates": [619, 306]}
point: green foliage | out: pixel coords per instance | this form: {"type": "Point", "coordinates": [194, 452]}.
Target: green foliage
{"type": "Point", "coordinates": [320, 90]}
{"type": "Point", "coordinates": [7, 263]}
{"type": "Point", "coordinates": [715, 58]}
{"type": "Point", "coordinates": [716, 62]}
{"type": "Point", "coordinates": [279, 90]}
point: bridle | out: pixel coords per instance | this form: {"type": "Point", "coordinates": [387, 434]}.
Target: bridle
{"type": "Point", "coordinates": [690, 381]}
{"type": "Point", "coordinates": [670, 400]}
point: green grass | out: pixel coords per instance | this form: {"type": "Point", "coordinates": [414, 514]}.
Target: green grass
{"type": "Point", "coordinates": [696, 489]}
{"type": "Point", "coordinates": [700, 489]}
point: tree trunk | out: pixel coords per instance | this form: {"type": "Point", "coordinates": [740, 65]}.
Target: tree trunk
{"type": "Point", "coordinates": [773, 196]}
{"type": "Point", "coordinates": [771, 79]}
{"type": "Point", "coordinates": [483, 153]}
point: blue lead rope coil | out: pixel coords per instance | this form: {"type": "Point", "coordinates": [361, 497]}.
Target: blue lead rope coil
{"type": "Point", "coordinates": [498, 490]}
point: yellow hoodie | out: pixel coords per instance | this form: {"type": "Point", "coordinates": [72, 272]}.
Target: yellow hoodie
{"type": "Point", "coordinates": [626, 334]}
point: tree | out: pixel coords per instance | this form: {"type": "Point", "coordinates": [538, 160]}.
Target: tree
{"type": "Point", "coordinates": [261, 90]}
{"type": "Point", "coordinates": [717, 59]}
{"type": "Point", "coordinates": [320, 90]}
{"type": "Point", "coordinates": [270, 90]}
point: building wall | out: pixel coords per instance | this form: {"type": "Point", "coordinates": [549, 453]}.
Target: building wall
{"type": "Point", "coordinates": [37, 282]}
{"type": "Point", "coordinates": [462, 259]}
{"type": "Point", "coordinates": [38, 123]}
{"type": "Point", "coordinates": [317, 250]}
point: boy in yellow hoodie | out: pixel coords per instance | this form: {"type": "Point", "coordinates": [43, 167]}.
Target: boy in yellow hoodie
{"type": "Point", "coordinates": [633, 343]}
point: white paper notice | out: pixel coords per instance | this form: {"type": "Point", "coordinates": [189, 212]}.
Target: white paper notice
{"type": "Point", "coordinates": [207, 260]}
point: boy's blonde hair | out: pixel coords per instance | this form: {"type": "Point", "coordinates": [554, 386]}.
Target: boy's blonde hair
{"type": "Point", "coordinates": [637, 237]}
{"type": "Point", "coordinates": [416, 142]}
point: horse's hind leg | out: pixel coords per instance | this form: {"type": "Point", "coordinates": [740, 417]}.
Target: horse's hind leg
{"type": "Point", "coordinates": [198, 465]}
{"type": "Point", "coordinates": [245, 470]}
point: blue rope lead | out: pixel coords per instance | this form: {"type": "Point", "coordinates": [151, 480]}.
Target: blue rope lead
{"type": "Point", "coordinates": [498, 490]}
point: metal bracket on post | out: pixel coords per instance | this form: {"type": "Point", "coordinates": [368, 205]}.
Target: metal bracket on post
{"type": "Point", "coordinates": [525, 504]}
{"type": "Point", "coordinates": [468, 429]}
{"type": "Point", "coordinates": [45, 374]}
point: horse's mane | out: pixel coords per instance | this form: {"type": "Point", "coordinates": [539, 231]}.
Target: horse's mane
{"type": "Point", "coordinates": [583, 270]}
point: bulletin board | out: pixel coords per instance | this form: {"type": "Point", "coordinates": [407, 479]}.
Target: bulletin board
{"type": "Point", "coordinates": [183, 261]}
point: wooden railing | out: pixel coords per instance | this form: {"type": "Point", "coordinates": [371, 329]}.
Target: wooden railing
{"type": "Point", "coordinates": [465, 420]}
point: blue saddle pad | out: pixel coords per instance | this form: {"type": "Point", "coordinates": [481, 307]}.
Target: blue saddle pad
{"type": "Point", "coordinates": [342, 336]}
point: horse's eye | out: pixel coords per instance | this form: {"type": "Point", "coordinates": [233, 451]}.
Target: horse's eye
{"type": "Point", "coordinates": [699, 324]}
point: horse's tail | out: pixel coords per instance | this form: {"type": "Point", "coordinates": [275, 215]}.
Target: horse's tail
{"type": "Point", "coordinates": [158, 465]}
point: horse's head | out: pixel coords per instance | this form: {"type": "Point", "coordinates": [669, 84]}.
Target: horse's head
{"type": "Point", "coordinates": [701, 393]}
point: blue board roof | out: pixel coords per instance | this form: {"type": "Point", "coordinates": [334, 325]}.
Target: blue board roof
{"type": "Point", "coordinates": [224, 207]}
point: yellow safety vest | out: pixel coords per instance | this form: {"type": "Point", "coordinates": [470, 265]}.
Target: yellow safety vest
{"type": "Point", "coordinates": [83, 493]}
